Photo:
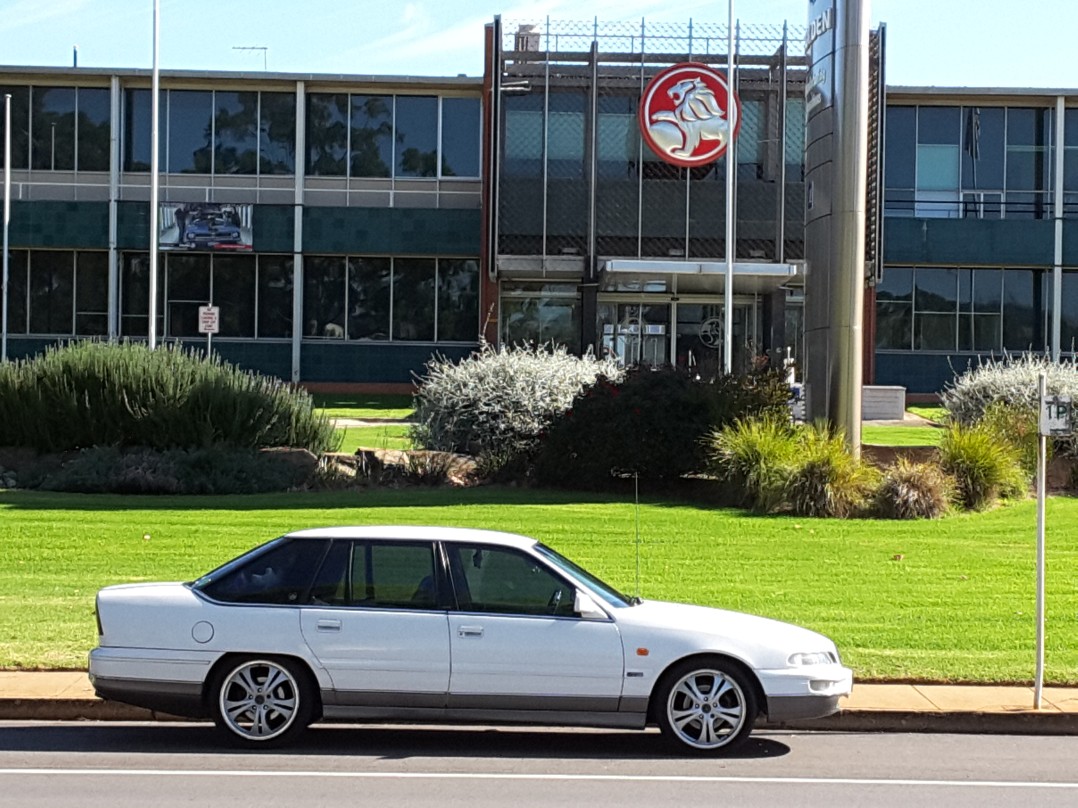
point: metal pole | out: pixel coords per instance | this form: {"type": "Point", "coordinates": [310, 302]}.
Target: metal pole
{"type": "Point", "coordinates": [155, 167]}
{"type": "Point", "coordinates": [7, 218]}
{"type": "Point", "coordinates": [1057, 268]}
{"type": "Point", "coordinates": [728, 281]}
{"type": "Point", "coordinates": [1042, 453]}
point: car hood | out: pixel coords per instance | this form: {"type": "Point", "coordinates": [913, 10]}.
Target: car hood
{"type": "Point", "coordinates": [756, 637]}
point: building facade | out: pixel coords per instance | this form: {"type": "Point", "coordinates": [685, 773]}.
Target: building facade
{"type": "Point", "coordinates": [373, 222]}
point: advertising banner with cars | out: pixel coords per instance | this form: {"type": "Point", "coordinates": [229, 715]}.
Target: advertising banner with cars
{"type": "Point", "coordinates": [205, 226]}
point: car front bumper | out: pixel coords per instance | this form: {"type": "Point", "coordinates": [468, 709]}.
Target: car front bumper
{"type": "Point", "coordinates": [808, 692]}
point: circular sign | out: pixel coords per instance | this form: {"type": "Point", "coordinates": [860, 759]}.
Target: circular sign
{"type": "Point", "coordinates": [688, 115]}
{"type": "Point", "coordinates": [711, 332]}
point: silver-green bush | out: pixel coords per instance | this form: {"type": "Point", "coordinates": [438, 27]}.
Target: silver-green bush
{"type": "Point", "coordinates": [1013, 381]}
{"type": "Point", "coordinates": [499, 401]}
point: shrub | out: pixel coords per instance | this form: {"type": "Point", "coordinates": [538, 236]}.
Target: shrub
{"type": "Point", "coordinates": [826, 479]}
{"type": "Point", "coordinates": [754, 455]}
{"type": "Point", "coordinates": [107, 394]}
{"type": "Point", "coordinates": [912, 490]}
{"type": "Point", "coordinates": [984, 465]}
{"type": "Point", "coordinates": [499, 400]}
{"type": "Point", "coordinates": [1017, 425]}
{"type": "Point", "coordinates": [1011, 381]}
{"type": "Point", "coordinates": [214, 471]}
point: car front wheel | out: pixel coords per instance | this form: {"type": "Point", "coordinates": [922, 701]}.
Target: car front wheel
{"type": "Point", "coordinates": [706, 706]}
{"type": "Point", "coordinates": [263, 701]}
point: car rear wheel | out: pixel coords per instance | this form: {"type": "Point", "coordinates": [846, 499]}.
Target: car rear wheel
{"type": "Point", "coordinates": [263, 701]}
{"type": "Point", "coordinates": [706, 706]}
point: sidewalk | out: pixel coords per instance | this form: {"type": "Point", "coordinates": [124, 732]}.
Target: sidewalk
{"type": "Point", "coordinates": [57, 696]}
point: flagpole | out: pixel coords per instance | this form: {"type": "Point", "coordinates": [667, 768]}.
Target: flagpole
{"type": "Point", "coordinates": [155, 185]}
{"type": "Point", "coordinates": [728, 282]}
{"type": "Point", "coordinates": [7, 218]}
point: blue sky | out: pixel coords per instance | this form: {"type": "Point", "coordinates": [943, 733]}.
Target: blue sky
{"type": "Point", "coordinates": [982, 43]}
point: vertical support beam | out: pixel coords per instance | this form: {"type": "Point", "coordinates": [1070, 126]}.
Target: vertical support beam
{"type": "Point", "coordinates": [297, 237]}
{"type": "Point", "coordinates": [116, 99]}
{"type": "Point", "coordinates": [155, 176]}
{"type": "Point", "coordinates": [731, 163]}
{"type": "Point", "coordinates": [6, 225]}
{"type": "Point", "coordinates": [546, 137]}
{"type": "Point", "coordinates": [1057, 264]}
{"type": "Point", "coordinates": [593, 164]}
{"type": "Point", "coordinates": [780, 248]}
{"type": "Point", "coordinates": [489, 304]}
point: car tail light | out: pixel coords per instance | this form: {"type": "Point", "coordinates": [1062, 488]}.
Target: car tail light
{"type": "Point", "coordinates": [97, 617]}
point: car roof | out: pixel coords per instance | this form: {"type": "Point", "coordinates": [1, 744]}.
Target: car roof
{"type": "Point", "coordinates": [415, 532]}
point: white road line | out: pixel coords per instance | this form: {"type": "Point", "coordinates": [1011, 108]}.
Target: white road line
{"type": "Point", "coordinates": [629, 778]}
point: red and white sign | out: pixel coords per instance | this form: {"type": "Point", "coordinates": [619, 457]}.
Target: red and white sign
{"type": "Point", "coordinates": [688, 115]}
{"type": "Point", "coordinates": [209, 319]}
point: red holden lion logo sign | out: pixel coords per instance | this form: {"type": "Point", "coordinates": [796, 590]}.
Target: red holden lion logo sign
{"type": "Point", "coordinates": [688, 115]}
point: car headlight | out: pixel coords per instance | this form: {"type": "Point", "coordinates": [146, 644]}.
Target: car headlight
{"type": "Point", "coordinates": [816, 658]}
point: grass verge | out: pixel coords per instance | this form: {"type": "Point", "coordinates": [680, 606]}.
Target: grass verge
{"type": "Point", "coordinates": [901, 435]}
{"type": "Point", "coordinates": [362, 406]}
{"type": "Point", "coordinates": [948, 600]}
{"type": "Point", "coordinates": [383, 436]}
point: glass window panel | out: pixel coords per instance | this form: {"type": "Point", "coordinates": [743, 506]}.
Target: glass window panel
{"type": "Point", "coordinates": [235, 138]}
{"type": "Point", "coordinates": [52, 291]}
{"type": "Point", "coordinates": [91, 293]}
{"type": "Point", "coordinates": [541, 315]}
{"type": "Point", "coordinates": [372, 135]}
{"type": "Point", "coordinates": [899, 203]}
{"type": "Point", "coordinates": [982, 147]}
{"type": "Point", "coordinates": [936, 290]}
{"type": "Point", "coordinates": [1069, 313]}
{"type": "Point", "coordinates": [1023, 310]}
{"type": "Point", "coordinates": [1027, 169]}
{"type": "Point", "coordinates": [461, 124]}
{"type": "Point", "coordinates": [188, 288]}
{"type": "Point", "coordinates": [275, 296]}
{"type": "Point", "coordinates": [53, 148]}
{"type": "Point", "coordinates": [16, 289]}
{"type": "Point", "coordinates": [1028, 205]}
{"type": "Point", "coordinates": [413, 299]}
{"type": "Point", "coordinates": [20, 125]}
{"type": "Point", "coordinates": [1070, 168]}
{"type": "Point", "coordinates": [369, 282]}
{"type": "Point", "coordinates": [234, 292]}
{"type": "Point", "coordinates": [458, 300]}
{"type": "Point", "coordinates": [323, 296]}
{"type": "Point", "coordinates": [901, 147]}
{"type": "Point", "coordinates": [795, 137]}
{"type": "Point", "coordinates": [95, 129]}
{"type": "Point", "coordinates": [987, 290]}
{"type": "Point", "coordinates": [937, 168]}
{"type": "Point", "coordinates": [987, 332]}
{"type": "Point", "coordinates": [897, 285]}
{"type": "Point", "coordinates": [938, 125]}
{"type": "Point", "coordinates": [277, 133]}
{"type": "Point", "coordinates": [416, 133]}
{"type": "Point", "coordinates": [565, 136]}
{"type": "Point", "coordinates": [935, 332]}
{"type": "Point", "coordinates": [1028, 127]}
{"type": "Point", "coordinates": [283, 574]}
{"type": "Point", "coordinates": [894, 325]}
{"type": "Point", "coordinates": [523, 140]}
{"type": "Point", "coordinates": [327, 134]}
{"type": "Point", "coordinates": [753, 131]}
{"type": "Point", "coordinates": [507, 582]}
{"type": "Point", "coordinates": [190, 129]}
{"type": "Point", "coordinates": [136, 146]}
{"type": "Point", "coordinates": [135, 295]}
{"type": "Point", "coordinates": [397, 576]}
{"type": "Point", "coordinates": [618, 137]}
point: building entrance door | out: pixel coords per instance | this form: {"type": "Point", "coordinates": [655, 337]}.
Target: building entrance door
{"type": "Point", "coordinates": [700, 330]}
{"type": "Point", "coordinates": [636, 333]}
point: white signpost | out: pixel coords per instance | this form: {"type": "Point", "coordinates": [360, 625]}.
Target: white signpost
{"type": "Point", "coordinates": [209, 323]}
{"type": "Point", "coordinates": [1055, 420]}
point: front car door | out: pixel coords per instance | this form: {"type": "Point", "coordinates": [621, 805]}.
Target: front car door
{"type": "Point", "coordinates": [516, 642]}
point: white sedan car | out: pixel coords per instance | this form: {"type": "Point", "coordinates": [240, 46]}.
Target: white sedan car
{"type": "Point", "coordinates": [450, 625]}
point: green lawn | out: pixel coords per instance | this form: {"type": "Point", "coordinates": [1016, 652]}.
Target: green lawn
{"type": "Point", "coordinates": [933, 412]}
{"type": "Point", "coordinates": [901, 435]}
{"type": "Point", "coordinates": [382, 436]}
{"type": "Point", "coordinates": [950, 600]}
{"type": "Point", "coordinates": [361, 406]}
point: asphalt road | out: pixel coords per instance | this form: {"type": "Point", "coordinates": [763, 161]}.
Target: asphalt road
{"type": "Point", "coordinates": [117, 765]}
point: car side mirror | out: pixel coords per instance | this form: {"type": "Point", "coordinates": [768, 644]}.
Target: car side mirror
{"type": "Point", "coordinates": [586, 607]}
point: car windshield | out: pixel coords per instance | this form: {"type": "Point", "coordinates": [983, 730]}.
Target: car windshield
{"type": "Point", "coordinates": [226, 568]}
{"type": "Point", "coordinates": [608, 593]}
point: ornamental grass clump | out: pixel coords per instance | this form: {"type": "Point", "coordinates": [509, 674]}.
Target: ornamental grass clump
{"type": "Point", "coordinates": [754, 456]}
{"type": "Point", "coordinates": [984, 465]}
{"type": "Point", "coordinates": [911, 490]}
{"type": "Point", "coordinates": [499, 401]}
{"type": "Point", "coordinates": [826, 479]}
{"type": "Point", "coordinates": [90, 393]}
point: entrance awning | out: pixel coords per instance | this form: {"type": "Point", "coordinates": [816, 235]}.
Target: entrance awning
{"type": "Point", "coordinates": [692, 277]}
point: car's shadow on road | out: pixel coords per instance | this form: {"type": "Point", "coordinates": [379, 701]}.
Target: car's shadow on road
{"type": "Point", "coordinates": [381, 742]}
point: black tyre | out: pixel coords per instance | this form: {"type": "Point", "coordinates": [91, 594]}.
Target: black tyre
{"type": "Point", "coordinates": [706, 705]}
{"type": "Point", "coordinates": [263, 701]}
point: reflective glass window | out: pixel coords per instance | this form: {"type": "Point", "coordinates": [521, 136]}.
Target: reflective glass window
{"type": "Point", "coordinates": [282, 574]}
{"type": "Point", "coordinates": [16, 290]}
{"type": "Point", "coordinates": [618, 137]}
{"type": "Point", "coordinates": [275, 280]}
{"type": "Point", "coordinates": [190, 127]}
{"type": "Point", "coordinates": [53, 127]}
{"type": "Point", "coordinates": [795, 137]}
{"type": "Point", "coordinates": [234, 293]}
{"type": "Point", "coordinates": [323, 296]}
{"type": "Point", "coordinates": [277, 133]}
{"type": "Point", "coordinates": [235, 133]}
{"type": "Point", "coordinates": [136, 146]}
{"type": "Point", "coordinates": [91, 294]}
{"type": "Point", "coordinates": [413, 299]}
{"type": "Point", "coordinates": [95, 129]}
{"type": "Point", "coordinates": [369, 281]}
{"type": "Point", "coordinates": [540, 314]}
{"type": "Point", "coordinates": [1023, 310]}
{"type": "Point", "coordinates": [938, 125]}
{"type": "Point", "coordinates": [901, 147]}
{"type": "Point", "coordinates": [393, 575]}
{"type": "Point", "coordinates": [983, 147]}
{"type": "Point", "coordinates": [935, 299]}
{"type": "Point", "coordinates": [894, 309]}
{"type": "Point", "coordinates": [495, 579]}
{"type": "Point", "coordinates": [461, 125]}
{"type": "Point", "coordinates": [1069, 313]}
{"type": "Point", "coordinates": [327, 134]}
{"type": "Point", "coordinates": [52, 290]}
{"type": "Point", "coordinates": [458, 300]}
{"type": "Point", "coordinates": [565, 135]}
{"type": "Point", "coordinates": [523, 139]}
{"type": "Point", "coordinates": [751, 137]}
{"type": "Point", "coordinates": [20, 125]}
{"type": "Point", "coordinates": [372, 135]}
{"type": "Point", "coordinates": [416, 135]}
{"type": "Point", "coordinates": [1028, 163]}
{"type": "Point", "coordinates": [188, 288]}
{"type": "Point", "coordinates": [135, 295]}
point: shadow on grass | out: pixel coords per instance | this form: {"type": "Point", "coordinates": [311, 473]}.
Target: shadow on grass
{"type": "Point", "coordinates": [701, 494]}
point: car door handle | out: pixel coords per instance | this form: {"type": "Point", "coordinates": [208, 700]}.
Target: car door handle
{"type": "Point", "coordinates": [470, 631]}
{"type": "Point", "coordinates": [329, 625]}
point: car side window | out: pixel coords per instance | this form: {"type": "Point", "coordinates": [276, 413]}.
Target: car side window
{"type": "Point", "coordinates": [281, 575]}
{"type": "Point", "coordinates": [397, 575]}
{"type": "Point", "coordinates": [495, 579]}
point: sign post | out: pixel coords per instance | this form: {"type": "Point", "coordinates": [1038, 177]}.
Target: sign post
{"type": "Point", "coordinates": [1055, 420]}
{"type": "Point", "coordinates": [209, 323]}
